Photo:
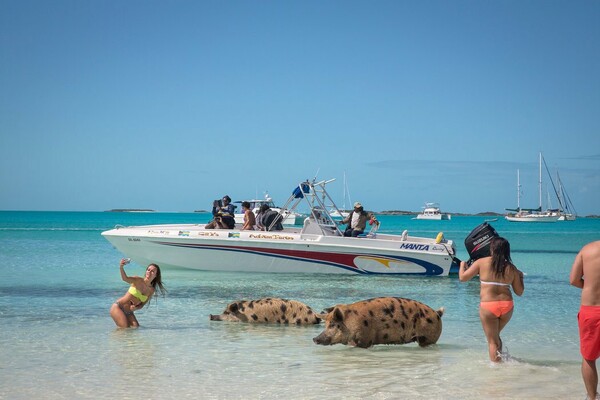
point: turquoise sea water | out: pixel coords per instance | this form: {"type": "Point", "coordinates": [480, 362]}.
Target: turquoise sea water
{"type": "Point", "coordinates": [59, 277]}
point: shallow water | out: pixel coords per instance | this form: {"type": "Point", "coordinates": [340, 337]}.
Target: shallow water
{"type": "Point", "coordinates": [59, 278]}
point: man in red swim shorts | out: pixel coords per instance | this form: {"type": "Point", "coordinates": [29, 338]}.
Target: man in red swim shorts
{"type": "Point", "coordinates": [585, 274]}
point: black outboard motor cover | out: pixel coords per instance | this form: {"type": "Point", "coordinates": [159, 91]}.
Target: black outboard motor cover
{"type": "Point", "coordinates": [478, 242]}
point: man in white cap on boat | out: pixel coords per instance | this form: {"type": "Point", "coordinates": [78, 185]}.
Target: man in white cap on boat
{"type": "Point", "coordinates": [356, 220]}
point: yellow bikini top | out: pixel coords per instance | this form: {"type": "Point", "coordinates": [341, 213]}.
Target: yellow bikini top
{"type": "Point", "coordinates": [137, 294]}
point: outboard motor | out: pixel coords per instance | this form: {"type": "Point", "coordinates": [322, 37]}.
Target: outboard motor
{"type": "Point", "coordinates": [478, 242]}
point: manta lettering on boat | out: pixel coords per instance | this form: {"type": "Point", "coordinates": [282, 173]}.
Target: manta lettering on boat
{"type": "Point", "coordinates": [414, 246]}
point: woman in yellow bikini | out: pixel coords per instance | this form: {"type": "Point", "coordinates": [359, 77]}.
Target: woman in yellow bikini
{"type": "Point", "coordinates": [140, 292]}
{"type": "Point", "coordinates": [497, 274]}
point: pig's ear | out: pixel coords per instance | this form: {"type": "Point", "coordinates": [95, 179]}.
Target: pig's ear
{"type": "Point", "coordinates": [338, 316]}
{"type": "Point", "coordinates": [323, 315]}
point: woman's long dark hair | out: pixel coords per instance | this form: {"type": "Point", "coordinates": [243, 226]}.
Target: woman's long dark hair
{"type": "Point", "coordinates": [500, 251]}
{"type": "Point", "coordinates": [157, 282]}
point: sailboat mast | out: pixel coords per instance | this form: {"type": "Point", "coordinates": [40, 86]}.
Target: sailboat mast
{"type": "Point", "coordinates": [540, 190]}
{"type": "Point", "coordinates": [344, 203]}
{"type": "Point", "coordinates": [518, 191]}
{"type": "Point", "coordinates": [559, 194]}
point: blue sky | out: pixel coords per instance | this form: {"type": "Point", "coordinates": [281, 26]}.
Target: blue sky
{"type": "Point", "coordinates": [169, 105]}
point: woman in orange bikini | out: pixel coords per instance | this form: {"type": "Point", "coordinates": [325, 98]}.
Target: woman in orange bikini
{"type": "Point", "coordinates": [497, 274]}
{"type": "Point", "coordinates": [140, 292]}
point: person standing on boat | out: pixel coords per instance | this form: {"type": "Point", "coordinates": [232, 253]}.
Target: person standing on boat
{"type": "Point", "coordinates": [497, 274]}
{"type": "Point", "coordinates": [356, 220]}
{"type": "Point", "coordinates": [249, 218]}
{"type": "Point", "coordinates": [585, 274]}
{"type": "Point", "coordinates": [139, 294]}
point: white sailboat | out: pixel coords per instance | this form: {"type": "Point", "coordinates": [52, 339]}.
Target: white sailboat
{"type": "Point", "coordinates": [531, 214]}
{"type": "Point", "coordinates": [566, 209]}
{"type": "Point", "coordinates": [568, 212]}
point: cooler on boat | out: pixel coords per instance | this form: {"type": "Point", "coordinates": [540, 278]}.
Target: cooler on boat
{"type": "Point", "coordinates": [478, 242]}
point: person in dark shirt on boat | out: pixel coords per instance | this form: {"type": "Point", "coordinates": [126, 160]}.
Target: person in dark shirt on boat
{"type": "Point", "coordinates": [223, 214]}
{"type": "Point", "coordinates": [356, 220]}
{"type": "Point", "coordinates": [265, 218]}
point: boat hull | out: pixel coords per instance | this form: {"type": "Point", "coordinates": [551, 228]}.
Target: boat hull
{"type": "Point", "coordinates": [439, 217]}
{"type": "Point", "coordinates": [567, 217]}
{"type": "Point", "coordinates": [190, 246]}
{"type": "Point", "coordinates": [533, 218]}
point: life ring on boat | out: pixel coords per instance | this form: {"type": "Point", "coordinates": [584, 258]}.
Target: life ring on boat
{"type": "Point", "coordinates": [439, 238]}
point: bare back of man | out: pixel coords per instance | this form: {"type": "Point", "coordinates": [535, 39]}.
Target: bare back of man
{"type": "Point", "coordinates": [586, 268]}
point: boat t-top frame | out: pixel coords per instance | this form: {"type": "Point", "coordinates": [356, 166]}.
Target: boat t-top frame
{"type": "Point", "coordinates": [318, 200]}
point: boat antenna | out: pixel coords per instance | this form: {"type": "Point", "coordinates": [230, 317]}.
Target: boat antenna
{"type": "Point", "coordinates": [316, 174]}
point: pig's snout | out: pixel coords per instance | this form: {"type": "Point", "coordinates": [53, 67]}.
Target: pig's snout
{"type": "Point", "coordinates": [322, 339]}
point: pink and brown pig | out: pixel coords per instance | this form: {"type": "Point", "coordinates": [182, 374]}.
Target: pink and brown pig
{"type": "Point", "coordinates": [268, 311]}
{"type": "Point", "coordinates": [383, 320]}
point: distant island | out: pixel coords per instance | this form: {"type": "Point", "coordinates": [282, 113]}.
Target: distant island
{"type": "Point", "coordinates": [395, 212]}
{"type": "Point", "coordinates": [131, 210]}
{"type": "Point", "coordinates": [401, 212]}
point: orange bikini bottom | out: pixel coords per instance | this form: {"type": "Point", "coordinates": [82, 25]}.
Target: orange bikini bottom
{"type": "Point", "coordinates": [498, 308]}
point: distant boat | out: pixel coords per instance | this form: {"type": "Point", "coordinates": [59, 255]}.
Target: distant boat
{"type": "Point", "coordinates": [531, 214]}
{"type": "Point", "coordinates": [566, 209]}
{"type": "Point", "coordinates": [432, 211]}
{"type": "Point", "coordinates": [339, 214]}
{"type": "Point", "coordinates": [342, 212]}
{"type": "Point", "coordinates": [567, 212]}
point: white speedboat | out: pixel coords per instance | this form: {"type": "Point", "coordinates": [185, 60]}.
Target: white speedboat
{"type": "Point", "coordinates": [289, 217]}
{"type": "Point", "coordinates": [318, 246]}
{"type": "Point", "coordinates": [432, 211]}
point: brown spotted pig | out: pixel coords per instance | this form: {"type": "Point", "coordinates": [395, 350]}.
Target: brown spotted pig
{"type": "Point", "coordinates": [383, 320]}
{"type": "Point", "coordinates": [268, 311]}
